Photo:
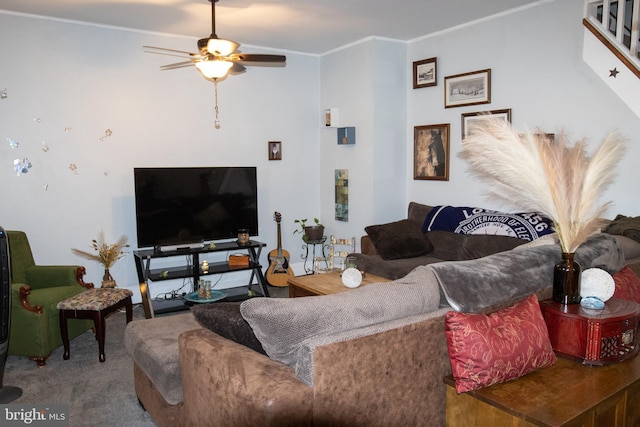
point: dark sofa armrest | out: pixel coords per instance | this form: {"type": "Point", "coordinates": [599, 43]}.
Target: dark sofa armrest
{"type": "Point", "coordinates": [366, 246]}
{"type": "Point", "coordinates": [226, 383]}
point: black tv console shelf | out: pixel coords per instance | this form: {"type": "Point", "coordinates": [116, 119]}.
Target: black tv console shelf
{"type": "Point", "coordinates": [193, 270]}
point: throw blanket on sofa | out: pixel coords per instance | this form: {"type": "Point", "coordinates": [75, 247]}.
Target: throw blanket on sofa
{"type": "Point", "coordinates": [467, 220]}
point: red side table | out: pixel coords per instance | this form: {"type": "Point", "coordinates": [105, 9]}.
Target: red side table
{"type": "Point", "coordinates": [594, 337]}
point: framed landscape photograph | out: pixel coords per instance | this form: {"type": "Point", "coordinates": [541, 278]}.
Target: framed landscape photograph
{"type": "Point", "coordinates": [467, 89]}
{"type": "Point", "coordinates": [425, 73]}
{"type": "Point", "coordinates": [431, 152]}
{"type": "Point", "coordinates": [469, 120]}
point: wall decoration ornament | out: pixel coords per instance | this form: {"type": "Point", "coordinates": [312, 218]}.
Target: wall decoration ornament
{"type": "Point", "coordinates": [467, 89]}
{"type": "Point", "coordinates": [275, 150]}
{"type": "Point", "coordinates": [431, 152]}
{"type": "Point", "coordinates": [21, 166]}
{"type": "Point", "coordinates": [425, 73]}
{"type": "Point", "coordinates": [473, 120]}
{"type": "Point", "coordinates": [342, 194]}
{"type": "Point", "coordinates": [107, 134]}
{"type": "Point", "coordinates": [347, 136]}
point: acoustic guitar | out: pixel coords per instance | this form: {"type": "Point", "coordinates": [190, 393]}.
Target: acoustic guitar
{"type": "Point", "coordinates": [278, 272]}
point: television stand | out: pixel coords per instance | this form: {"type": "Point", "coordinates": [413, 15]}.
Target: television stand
{"type": "Point", "coordinates": [146, 274]}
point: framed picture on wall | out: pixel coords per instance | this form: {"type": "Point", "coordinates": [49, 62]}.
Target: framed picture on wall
{"type": "Point", "coordinates": [467, 89]}
{"type": "Point", "coordinates": [431, 152]}
{"type": "Point", "coordinates": [275, 150]}
{"type": "Point", "coordinates": [469, 120]}
{"type": "Point", "coordinates": [425, 73]}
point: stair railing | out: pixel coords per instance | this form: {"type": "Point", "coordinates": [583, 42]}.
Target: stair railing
{"type": "Point", "coordinates": [617, 27]}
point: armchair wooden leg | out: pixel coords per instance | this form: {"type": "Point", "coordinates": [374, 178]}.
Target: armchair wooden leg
{"type": "Point", "coordinates": [40, 360]}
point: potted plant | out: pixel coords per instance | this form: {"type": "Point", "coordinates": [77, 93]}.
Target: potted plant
{"type": "Point", "coordinates": [106, 254]}
{"type": "Point", "coordinates": [310, 233]}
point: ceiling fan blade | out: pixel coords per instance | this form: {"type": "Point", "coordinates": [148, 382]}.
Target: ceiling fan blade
{"type": "Point", "coordinates": [177, 65]}
{"type": "Point", "coordinates": [192, 57]}
{"type": "Point", "coordinates": [253, 57]}
{"type": "Point", "coordinates": [169, 50]}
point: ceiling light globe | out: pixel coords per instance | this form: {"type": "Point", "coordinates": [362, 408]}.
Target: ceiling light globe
{"type": "Point", "coordinates": [221, 47]}
{"type": "Point", "coordinates": [214, 69]}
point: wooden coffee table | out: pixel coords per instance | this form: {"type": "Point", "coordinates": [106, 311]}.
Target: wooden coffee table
{"type": "Point", "coordinates": [325, 284]}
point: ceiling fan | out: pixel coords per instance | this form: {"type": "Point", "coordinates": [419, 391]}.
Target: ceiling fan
{"type": "Point", "coordinates": [216, 57]}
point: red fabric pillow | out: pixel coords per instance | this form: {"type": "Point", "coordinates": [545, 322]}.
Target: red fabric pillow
{"type": "Point", "coordinates": [627, 285]}
{"type": "Point", "coordinates": [498, 347]}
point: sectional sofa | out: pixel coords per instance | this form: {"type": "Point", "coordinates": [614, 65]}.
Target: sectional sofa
{"type": "Point", "coordinates": [373, 356]}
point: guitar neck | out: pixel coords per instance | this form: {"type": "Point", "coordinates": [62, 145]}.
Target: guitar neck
{"type": "Point", "coordinates": [279, 241]}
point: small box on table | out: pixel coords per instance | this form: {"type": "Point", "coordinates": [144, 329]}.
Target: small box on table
{"type": "Point", "coordinates": [238, 260]}
{"type": "Point", "coordinates": [594, 337]}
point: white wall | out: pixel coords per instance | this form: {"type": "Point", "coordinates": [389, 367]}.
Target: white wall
{"type": "Point", "coordinates": [92, 79]}
{"type": "Point", "coordinates": [366, 82]}
{"type": "Point", "coordinates": [535, 57]}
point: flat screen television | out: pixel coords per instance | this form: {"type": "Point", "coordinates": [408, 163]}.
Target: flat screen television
{"type": "Point", "coordinates": [186, 206]}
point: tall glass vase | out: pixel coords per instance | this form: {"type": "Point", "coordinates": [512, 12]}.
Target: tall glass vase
{"type": "Point", "coordinates": [566, 280]}
{"type": "Point", "coordinates": [107, 279]}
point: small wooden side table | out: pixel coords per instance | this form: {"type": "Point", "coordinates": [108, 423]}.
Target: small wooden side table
{"type": "Point", "coordinates": [93, 304]}
{"type": "Point", "coordinates": [567, 394]}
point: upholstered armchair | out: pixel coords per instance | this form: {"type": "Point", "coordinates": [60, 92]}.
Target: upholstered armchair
{"type": "Point", "coordinates": [35, 292]}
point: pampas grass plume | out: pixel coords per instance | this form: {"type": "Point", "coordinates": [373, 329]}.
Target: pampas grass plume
{"type": "Point", "coordinates": [536, 173]}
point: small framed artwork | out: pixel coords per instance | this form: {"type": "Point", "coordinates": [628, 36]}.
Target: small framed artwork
{"type": "Point", "coordinates": [471, 120]}
{"type": "Point", "coordinates": [425, 73]}
{"type": "Point", "coordinates": [467, 89]}
{"type": "Point", "coordinates": [346, 136]}
{"type": "Point", "coordinates": [431, 152]}
{"type": "Point", "coordinates": [275, 150]}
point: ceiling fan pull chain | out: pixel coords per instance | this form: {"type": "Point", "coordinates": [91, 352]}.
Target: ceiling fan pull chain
{"type": "Point", "coordinates": [217, 122]}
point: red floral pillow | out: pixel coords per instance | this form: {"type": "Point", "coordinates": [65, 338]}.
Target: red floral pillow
{"type": "Point", "coordinates": [627, 285]}
{"type": "Point", "coordinates": [498, 347]}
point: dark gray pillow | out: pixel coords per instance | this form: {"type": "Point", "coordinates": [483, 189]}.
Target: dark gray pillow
{"type": "Point", "coordinates": [224, 319]}
{"type": "Point", "coordinates": [626, 226]}
{"type": "Point", "coordinates": [400, 239]}
{"type": "Point", "coordinates": [450, 246]}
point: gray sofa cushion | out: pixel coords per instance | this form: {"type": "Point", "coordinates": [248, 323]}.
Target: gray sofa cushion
{"type": "Point", "coordinates": [450, 246]}
{"type": "Point", "coordinates": [417, 212]}
{"type": "Point", "coordinates": [626, 226]}
{"type": "Point", "coordinates": [282, 325]}
{"type": "Point", "coordinates": [470, 286]}
{"type": "Point", "coordinates": [630, 247]}
{"type": "Point", "coordinates": [392, 268]}
{"type": "Point", "coordinates": [399, 239]}
{"type": "Point", "coordinates": [153, 345]}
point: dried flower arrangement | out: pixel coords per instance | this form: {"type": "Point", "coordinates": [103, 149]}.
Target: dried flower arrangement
{"type": "Point", "coordinates": [106, 254]}
{"type": "Point", "coordinates": [552, 177]}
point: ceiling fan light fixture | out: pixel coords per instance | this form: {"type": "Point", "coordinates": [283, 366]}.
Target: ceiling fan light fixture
{"type": "Point", "coordinates": [215, 69]}
{"type": "Point", "coordinates": [221, 47]}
